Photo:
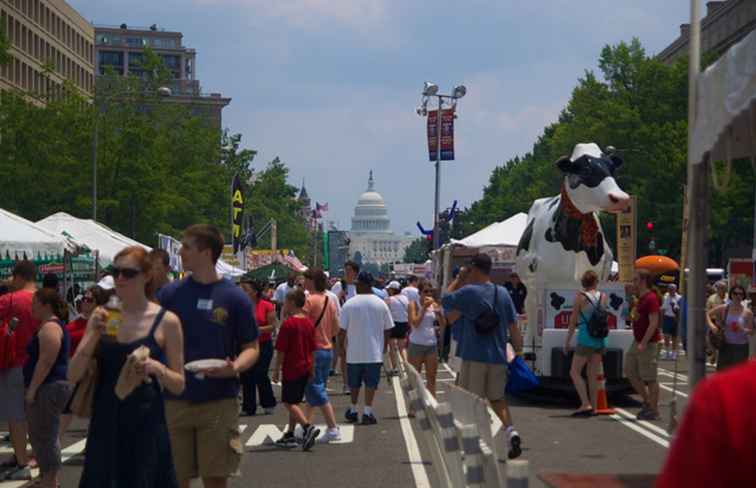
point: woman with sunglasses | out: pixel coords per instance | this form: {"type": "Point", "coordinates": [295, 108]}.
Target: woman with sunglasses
{"type": "Point", "coordinates": [737, 322]}
{"type": "Point", "coordinates": [257, 378]}
{"type": "Point", "coordinates": [128, 442]}
{"type": "Point", "coordinates": [423, 341]}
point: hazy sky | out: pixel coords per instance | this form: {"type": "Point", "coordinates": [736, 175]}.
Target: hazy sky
{"type": "Point", "coordinates": [331, 86]}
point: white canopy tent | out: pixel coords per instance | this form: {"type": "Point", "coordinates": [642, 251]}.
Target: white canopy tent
{"type": "Point", "coordinates": [20, 237]}
{"type": "Point", "coordinates": [105, 240]}
{"type": "Point", "coordinates": [504, 233]}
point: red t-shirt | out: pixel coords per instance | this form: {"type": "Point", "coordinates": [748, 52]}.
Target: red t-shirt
{"type": "Point", "coordinates": [262, 309]}
{"type": "Point", "coordinates": [76, 329]}
{"type": "Point", "coordinates": [648, 304]}
{"type": "Point", "coordinates": [296, 339]}
{"type": "Point", "coordinates": [714, 445]}
{"type": "Point", "coordinates": [18, 304]}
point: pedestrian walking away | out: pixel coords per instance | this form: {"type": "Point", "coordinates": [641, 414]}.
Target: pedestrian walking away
{"type": "Point", "coordinates": [218, 323]}
{"type": "Point", "coordinates": [20, 326]}
{"type": "Point", "coordinates": [589, 350]}
{"type": "Point", "coordinates": [345, 289]}
{"type": "Point", "coordinates": [256, 379]}
{"type": "Point", "coordinates": [641, 360]}
{"type": "Point", "coordinates": [323, 312]}
{"type": "Point", "coordinates": [671, 312]}
{"type": "Point", "coordinates": [128, 442]}
{"type": "Point", "coordinates": [734, 322]}
{"type": "Point", "coordinates": [399, 306]}
{"type": "Point", "coordinates": [487, 318]}
{"type": "Point", "coordinates": [365, 330]}
{"type": "Point", "coordinates": [295, 346]}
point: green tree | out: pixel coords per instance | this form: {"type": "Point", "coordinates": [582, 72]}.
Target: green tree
{"type": "Point", "coordinates": [417, 252]}
{"type": "Point", "coordinates": [5, 46]}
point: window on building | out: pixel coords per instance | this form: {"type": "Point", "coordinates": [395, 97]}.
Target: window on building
{"type": "Point", "coordinates": [135, 42]}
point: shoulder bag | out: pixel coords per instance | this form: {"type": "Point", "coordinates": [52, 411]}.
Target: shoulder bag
{"type": "Point", "coordinates": [717, 339]}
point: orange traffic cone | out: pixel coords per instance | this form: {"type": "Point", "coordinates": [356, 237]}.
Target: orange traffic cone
{"type": "Point", "coordinates": [602, 403]}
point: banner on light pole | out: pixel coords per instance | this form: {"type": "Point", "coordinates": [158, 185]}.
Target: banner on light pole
{"type": "Point", "coordinates": [237, 213]}
{"type": "Point", "coordinates": [447, 134]}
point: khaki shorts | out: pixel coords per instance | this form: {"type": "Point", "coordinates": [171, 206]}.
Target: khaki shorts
{"type": "Point", "coordinates": [205, 438]}
{"type": "Point", "coordinates": [642, 365]}
{"type": "Point", "coordinates": [487, 380]}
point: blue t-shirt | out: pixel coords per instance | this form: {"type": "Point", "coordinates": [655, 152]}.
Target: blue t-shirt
{"type": "Point", "coordinates": [471, 301]}
{"type": "Point", "coordinates": [217, 319]}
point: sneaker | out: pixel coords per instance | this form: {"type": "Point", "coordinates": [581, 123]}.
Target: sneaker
{"type": "Point", "coordinates": [288, 441]}
{"type": "Point", "coordinates": [20, 473]}
{"type": "Point", "coordinates": [331, 435]}
{"type": "Point", "coordinates": [643, 411]}
{"type": "Point", "coordinates": [648, 415]}
{"type": "Point", "coordinates": [673, 356]}
{"type": "Point", "coordinates": [369, 419]}
{"type": "Point", "coordinates": [515, 449]}
{"type": "Point", "coordinates": [310, 435]}
{"type": "Point", "coordinates": [346, 390]}
{"type": "Point", "coordinates": [332, 372]}
{"type": "Point", "coordinates": [351, 416]}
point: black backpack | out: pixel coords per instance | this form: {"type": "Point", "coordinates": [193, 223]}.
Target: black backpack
{"type": "Point", "coordinates": [488, 321]}
{"type": "Point", "coordinates": [598, 323]}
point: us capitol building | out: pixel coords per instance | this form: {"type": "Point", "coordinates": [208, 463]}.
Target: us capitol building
{"type": "Point", "coordinates": [371, 235]}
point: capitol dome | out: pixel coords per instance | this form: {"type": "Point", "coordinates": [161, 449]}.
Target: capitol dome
{"type": "Point", "coordinates": [370, 214]}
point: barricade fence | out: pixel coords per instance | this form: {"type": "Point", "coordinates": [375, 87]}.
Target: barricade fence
{"type": "Point", "coordinates": [459, 436]}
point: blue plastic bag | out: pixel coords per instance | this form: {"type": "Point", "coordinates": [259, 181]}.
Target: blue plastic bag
{"type": "Point", "coordinates": [521, 378]}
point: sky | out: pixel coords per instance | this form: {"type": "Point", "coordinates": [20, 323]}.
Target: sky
{"type": "Point", "coordinates": [331, 86]}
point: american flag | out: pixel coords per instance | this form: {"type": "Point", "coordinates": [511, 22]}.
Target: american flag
{"type": "Point", "coordinates": [321, 207]}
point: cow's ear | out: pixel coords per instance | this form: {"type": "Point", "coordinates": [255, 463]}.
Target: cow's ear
{"type": "Point", "coordinates": [565, 164]}
{"type": "Point", "coordinates": [616, 161]}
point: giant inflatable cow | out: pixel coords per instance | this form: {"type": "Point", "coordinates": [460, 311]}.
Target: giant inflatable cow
{"type": "Point", "coordinates": [563, 237]}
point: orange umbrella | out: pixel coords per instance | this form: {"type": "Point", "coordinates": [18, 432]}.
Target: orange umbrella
{"type": "Point", "coordinates": [657, 264]}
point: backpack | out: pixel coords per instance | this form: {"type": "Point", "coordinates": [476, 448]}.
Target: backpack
{"type": "Point", "coordinates": [488, 321]}
{"type": "Point", "coordinates": [598, 323]}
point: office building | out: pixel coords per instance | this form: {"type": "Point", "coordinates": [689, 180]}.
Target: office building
{"type": "Point", "coordinates": [49, 44]}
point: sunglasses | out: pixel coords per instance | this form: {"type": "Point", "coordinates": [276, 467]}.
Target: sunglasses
{"type": "Point", "coordinates": [127, 273]}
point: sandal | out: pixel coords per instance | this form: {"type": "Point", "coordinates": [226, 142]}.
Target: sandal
{"type": "Point", "coordinates": [583, 413]}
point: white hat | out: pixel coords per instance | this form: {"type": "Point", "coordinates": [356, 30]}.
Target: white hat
{"type": "Point", "coordinates": [106, 283]}
{"type": "Point", "coordinates": [394, 285]}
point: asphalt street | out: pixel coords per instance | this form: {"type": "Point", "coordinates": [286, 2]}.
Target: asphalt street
{"type": "Point", "coordinates": [392, 454]}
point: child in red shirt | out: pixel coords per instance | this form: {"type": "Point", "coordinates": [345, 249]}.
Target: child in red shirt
{"type": "Point", "coordinates": [294, 352]}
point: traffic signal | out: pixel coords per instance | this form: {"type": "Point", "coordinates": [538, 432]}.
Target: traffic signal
{"type": "Point", "coordinates": [650, 226]}
{"type": "Point", "coordinates": [429, 243]}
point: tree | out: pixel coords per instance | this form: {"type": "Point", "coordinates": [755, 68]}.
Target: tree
{"type": "Point", "coordinates": [417, 252]}
{"type": "Point", "coordinates": [5, 46]}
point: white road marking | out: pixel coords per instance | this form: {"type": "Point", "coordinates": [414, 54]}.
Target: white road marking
{"type": "Point", "coordinates": [671, 374]}
{"type": "Point", "coordinates": [665, 386]}
{"type": "Point", "coordinates": [413, 452]}
{"type": "Point", "coordinates": [645, 433]}
{"type": "Point", "coordinates": [648, 425]}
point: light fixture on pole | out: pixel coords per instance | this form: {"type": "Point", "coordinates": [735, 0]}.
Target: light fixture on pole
{"type": "Point", "coordinates": [430, 89]}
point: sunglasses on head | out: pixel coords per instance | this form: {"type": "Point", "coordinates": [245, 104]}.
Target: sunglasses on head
{"type": "Point", "coordinates": [127, 273]}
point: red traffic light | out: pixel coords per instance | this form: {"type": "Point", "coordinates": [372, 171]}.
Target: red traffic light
{"type": "Point", "coordinates": [649, 226]}
{"type": "Point", "coordinates": [429, 237]}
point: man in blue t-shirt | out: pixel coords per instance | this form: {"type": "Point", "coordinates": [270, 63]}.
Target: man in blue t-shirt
{"type": "Point", "coordinates": [484, 356]}
{"type": "Point", "coordinates": [218, 323]}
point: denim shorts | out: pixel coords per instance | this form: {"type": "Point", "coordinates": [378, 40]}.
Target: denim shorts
{"type": "Point", "coordinates": [315, 394]}
{"type": "Point", "coordinates": [367, 373]}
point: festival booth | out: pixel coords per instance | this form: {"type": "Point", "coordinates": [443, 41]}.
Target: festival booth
{"type": "Point", "coordinates": [104, 241]}
{"type": "Point", "coordinates": [499, 240]}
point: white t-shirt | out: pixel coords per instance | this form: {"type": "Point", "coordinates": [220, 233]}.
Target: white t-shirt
{"type": "Point", "coordinates": [412, 293]}
{"type": "Point", "coordinates": [281, 291]}
{"type": "Point", "coordinates": [425, 333]}
{"type": "Point", "coordinates": [398, 305]}
{"type": "Point", "coordinates": [365, 318]}
{"type": "Point", "coordinates": [351, 290]}
{"type": "Point", "coordinates": [670, 303]}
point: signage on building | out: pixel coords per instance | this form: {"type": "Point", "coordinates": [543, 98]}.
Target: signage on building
{"type": "Point", "coordinates": [447, 134]}
{"type": "Point", "coordinates": [626, 239]}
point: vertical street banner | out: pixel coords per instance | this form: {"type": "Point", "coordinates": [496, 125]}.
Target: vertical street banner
{"type": "Point", "coordinates": [326, 248]}
{"type": "Point", "coordinates": [237, 212]}
{"type": "Point", "coordinates": [447, 134]}
{"type": "Point", "coordinates": [627, 231]}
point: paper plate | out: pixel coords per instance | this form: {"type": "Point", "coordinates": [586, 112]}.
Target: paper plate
{"type": "Point", "coordinates": [203, 364]}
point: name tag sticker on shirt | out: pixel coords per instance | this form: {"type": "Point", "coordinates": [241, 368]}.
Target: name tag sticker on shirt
{"type": "Point", "coordinates": [204, 304]}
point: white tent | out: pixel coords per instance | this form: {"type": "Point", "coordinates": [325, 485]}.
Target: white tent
{"type": "Point", "coordinates": [19, 237]}
{"type": "Point", "coordinates": [504, 233]}
{"type": "Point", "coordinates": [106, 241]}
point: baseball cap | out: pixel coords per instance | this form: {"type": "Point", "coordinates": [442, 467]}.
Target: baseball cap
{"type": "Point", "coordinates": [365, 277]}
{"type": "Point", "coordinates": [106, 283]}
{"type": "Point", "coordinates": [394, 285]}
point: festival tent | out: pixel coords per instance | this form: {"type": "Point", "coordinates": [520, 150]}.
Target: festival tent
{"type": "Point", "coordinates": [504, 233]}
{"type": "Point", "coordinates": [105, 240]}
{"type": "Point", "coordinates": [21, 238]}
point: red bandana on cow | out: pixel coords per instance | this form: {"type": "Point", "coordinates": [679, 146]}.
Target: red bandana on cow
{"type": "Point", "coordinates": [588, 227]}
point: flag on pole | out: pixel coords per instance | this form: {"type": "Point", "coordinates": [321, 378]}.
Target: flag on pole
{"type": "Point", "coordinates": [321, 207]}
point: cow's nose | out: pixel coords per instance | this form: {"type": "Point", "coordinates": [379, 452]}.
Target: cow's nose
{"type": "Point", "coordinates": [619, 200]}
